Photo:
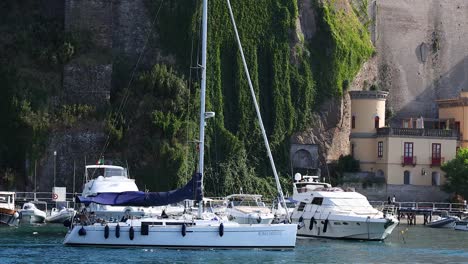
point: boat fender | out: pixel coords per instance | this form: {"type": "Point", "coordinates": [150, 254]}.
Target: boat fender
{"type": "Point", "coordinates": [16, 215]}
{"type": "Point", "coordinates": [184, 229]}
{"type": "Point", "coordinates": [106, 232]}
{"type": "Point", "coordinates": [131, 233]}
{"type": "Point", "coordinates": [311, 225]}
{"type": "Point", "coordinates": [221, 229]}
{"type": "Point", "coordinates": [20, 215]}
{"type": "Point", "coordinates": [67, 223]}
{"type": "Point", "coordinates": [259, 220]}
{"type": "Point", "coordinates": [117, 231]}
{"type": "Point", "coordinates": [82, 231]}
{"type": "Point", "coordinates": [325, 225]}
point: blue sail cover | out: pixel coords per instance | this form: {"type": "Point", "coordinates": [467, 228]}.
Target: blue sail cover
{"type": "Point", "coordinates": [192, 190]}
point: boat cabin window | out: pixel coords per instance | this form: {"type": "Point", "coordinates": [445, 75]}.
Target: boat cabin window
{"type": "Point", "coordinates": [301, 207]}
{"type": "Point", "coordinates": [317, 200]}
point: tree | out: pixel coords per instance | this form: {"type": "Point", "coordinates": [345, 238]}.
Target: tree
{"type": "Point", "coordinates": [457, 173]}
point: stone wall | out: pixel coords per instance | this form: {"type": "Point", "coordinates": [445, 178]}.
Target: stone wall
{"type": "Point", "coordinates": [71, 145]}
{"type": "Point", "coordinates": [94, 16]}
{"type": "Point", "coordinates": [422, 52]}
{"type": "Point", "coordinates": [87, 84]}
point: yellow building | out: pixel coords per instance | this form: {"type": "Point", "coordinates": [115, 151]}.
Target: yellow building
{"type": "Point", "coordinates": [410, 155]}
{"type": "Point", "coordinates": [457, 109]}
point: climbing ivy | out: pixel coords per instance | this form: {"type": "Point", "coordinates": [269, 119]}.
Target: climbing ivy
{"type": "Point", "coordinates": [287, 89]}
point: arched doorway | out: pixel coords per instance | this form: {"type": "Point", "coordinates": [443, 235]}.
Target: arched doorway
{"type": "Point", "coordinates": [407, 177]}
{"type": "Point", "coordinates": [435, 178]}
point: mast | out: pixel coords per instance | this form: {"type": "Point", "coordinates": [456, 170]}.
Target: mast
{"type": "Point", "coordinates": [257, 109]}
{"type": "Point", "coordinates": [201, 142]}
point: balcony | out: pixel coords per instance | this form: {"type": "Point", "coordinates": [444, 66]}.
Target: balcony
{"type": "Point", "coordinates": [436, 162]}
{"type": "Point", "coordinates": [417, 132]}
{"type": "Point", "coordinates": [408, 161]}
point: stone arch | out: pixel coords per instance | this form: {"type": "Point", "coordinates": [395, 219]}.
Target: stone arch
{"type": "Point", "coordinates": [379, 174]}
{"type": "Point", "coordinates": [303, 159]}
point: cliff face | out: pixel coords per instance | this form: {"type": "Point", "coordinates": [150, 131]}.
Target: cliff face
{"type": "Point", "coordinates": [303, 55]}
{"type": "Point", "coordinates": [422, 52]}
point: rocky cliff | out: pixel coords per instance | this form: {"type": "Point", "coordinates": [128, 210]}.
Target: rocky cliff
{"type": "Point", "coordinates": [304, 56]}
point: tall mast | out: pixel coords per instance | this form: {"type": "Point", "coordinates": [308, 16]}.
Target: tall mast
{"type": "Point", "coordinates": [257, 109]}
{"type": "Point", "coordinates": [201, 142]}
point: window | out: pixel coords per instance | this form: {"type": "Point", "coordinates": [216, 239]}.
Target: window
{"type": "Point", "coordinates": [406, 177]}
{"type": "Point", "coordinates": [317, 200]}
{"type": "Point", "coordinates": [380, 149]}
{"type": "Point", "coordinates": [301, 207]}
{"type": "Point", "coordinates": [376, 122]}
{"type": "Point", "coordinates": [408, 153]}
{"type": "Point", "coordinates": [353, 121]}
{"type": "Point", "coordinates": [436, 154]}
{"type": "Point", "coordinates": [352, 150]}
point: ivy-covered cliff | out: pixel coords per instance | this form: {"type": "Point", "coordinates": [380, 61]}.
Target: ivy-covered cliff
{"type": "Point", "coordinates": [292, 75]}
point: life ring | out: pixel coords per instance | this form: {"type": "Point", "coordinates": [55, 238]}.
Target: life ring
{"type": "Point", "coordinates": [325, 225]}
{"type": "Point", "coordinates": [54, 196]}
{"type": "Point", "coordinates": [184, 229]}
{"type": "Point", "coordinates": [82, 231]}
{"type": "Point", "coordinates": [131, 233]}
{"type": "Point", "coordinates": [106, 232]}
{"type": "Point", "coordinates": [117, 231]}
{"type": "Point", "coordinates": [221, 230]}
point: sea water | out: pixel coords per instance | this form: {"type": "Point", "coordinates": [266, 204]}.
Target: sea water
{"type": "Point", "coordinates": [407, 244]}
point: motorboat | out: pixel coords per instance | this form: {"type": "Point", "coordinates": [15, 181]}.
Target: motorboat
{"type": "Point", "coordinates": [443, 221]}
{"type": "Point", "coordinates": [8, 215]}
{"type": "Point", "coordinates": [248, 209]}
{"type": "Point", "coordinates": [461, 225]}
{"type": "Point", "coordinates": [102, 178]}
{"type": "Point", "coordinates": [334, 213]}
{"type": "Point", "coordinates": [60, 215]}
{"type": "Point", "coordinates": [304, 185]}
{"type": "Point", "coordinates": [173, 233]}
{"type": "Point", "coordinates": [30, 214]}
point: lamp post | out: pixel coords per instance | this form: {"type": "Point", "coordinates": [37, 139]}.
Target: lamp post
{"type": "Point", "coordinates": [55, 163]}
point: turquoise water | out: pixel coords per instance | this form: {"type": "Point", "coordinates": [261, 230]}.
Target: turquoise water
{"type": "Point", "coordinates": [417, 244]}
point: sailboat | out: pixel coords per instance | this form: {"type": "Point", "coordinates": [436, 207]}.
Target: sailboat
{"type": "Point", "coordinates": [172, 233]}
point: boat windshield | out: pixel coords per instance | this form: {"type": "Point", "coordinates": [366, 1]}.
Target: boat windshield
{"type": "Point", "coordinates": [247, 202]}
{"type": "Point", "coordinates": [107, 172]}
{"type": "Point", "coordinates": [347, 202]}
{"type": "Point", "coordinates": [115, 172]}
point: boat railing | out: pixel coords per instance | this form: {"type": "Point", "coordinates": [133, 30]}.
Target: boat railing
{"type": "Point", "coordinates": [47, 197]}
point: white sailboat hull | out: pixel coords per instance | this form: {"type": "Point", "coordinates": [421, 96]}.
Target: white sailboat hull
{"type": "Point", "coordinates": [280, 236]}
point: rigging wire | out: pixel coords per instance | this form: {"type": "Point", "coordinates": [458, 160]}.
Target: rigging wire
{"type": "Point", "coordinates": [132, 76]}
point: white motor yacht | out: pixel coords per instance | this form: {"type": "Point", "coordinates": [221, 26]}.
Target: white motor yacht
{"type": "Point", "coordinates": [248, 209]}
{"type": "Point", "coordinates": [114, 179]}
{"type": "Point", "coordinates": [8, 214]}
{"type": "Point", "coordinates": [30, 214]}
{"type": "Point", "coordinates": [334, 213]}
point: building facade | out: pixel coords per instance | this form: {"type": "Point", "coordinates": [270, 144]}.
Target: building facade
{"type": "Point", "coordinates": [408, 155]}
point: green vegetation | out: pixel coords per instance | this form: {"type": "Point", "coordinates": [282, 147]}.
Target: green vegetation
{"type": "Point", "coordinates": [158, 126]}
{"type": "Point", "coordinates": [288, 92]}
{"type": "Point", "coordinates": [457, 174]}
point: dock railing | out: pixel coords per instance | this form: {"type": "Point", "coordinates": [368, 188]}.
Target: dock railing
{"type": "Point", "coordinates": [422, 206]}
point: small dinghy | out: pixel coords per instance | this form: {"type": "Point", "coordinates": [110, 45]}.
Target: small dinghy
{"type": "Point", "coordinates": [443, 222]}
